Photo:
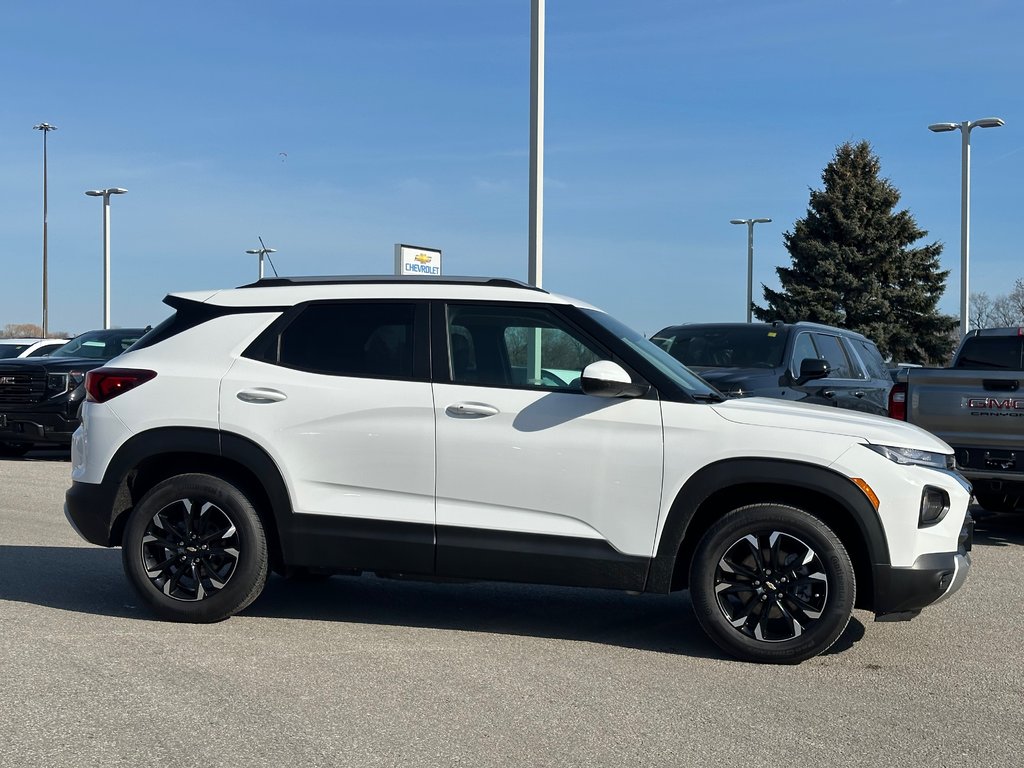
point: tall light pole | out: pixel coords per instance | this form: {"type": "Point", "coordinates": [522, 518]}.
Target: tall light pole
{"type": "Point", "coordinates": [105, 194]}
{"type": "Point", "coordinates": [750, 257]}
{"type": "Point", "coordinates": [536, 234]}
{"type": "Point", "coordinates": [262, 251]}
{"type": "Point", "coordinates": [45, 128]}
{"type": "Point", "coordinates": [965, 200]}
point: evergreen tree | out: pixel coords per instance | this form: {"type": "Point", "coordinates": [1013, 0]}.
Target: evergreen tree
{"type": "Point", "coordinates": [853, 264]}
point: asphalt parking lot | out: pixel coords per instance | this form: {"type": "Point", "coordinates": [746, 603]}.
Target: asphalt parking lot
{"type": "Point", "coordinates": [372, 672]}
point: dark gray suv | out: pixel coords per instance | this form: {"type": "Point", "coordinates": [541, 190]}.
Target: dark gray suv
{"type": "Point", "coordinates": [793, 361]}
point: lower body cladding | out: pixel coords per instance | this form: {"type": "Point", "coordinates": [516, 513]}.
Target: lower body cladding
{"type": "Point", "coordinates": [901, 593]}
{"type": "Point", "coordinates": [769, 581]}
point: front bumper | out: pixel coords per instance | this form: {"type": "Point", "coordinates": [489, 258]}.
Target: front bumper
{"type": "Point", "coordinates": [901, 593]}
{"type": "Point", "coordinates": [18, 427]}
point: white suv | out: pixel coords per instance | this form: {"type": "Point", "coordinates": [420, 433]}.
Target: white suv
{"type": "Point", "coordinates": [14, 348]}
{"type": "Point", "coordinates": [484, 429]}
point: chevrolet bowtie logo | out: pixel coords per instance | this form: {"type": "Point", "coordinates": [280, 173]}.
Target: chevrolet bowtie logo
{"type": "Point", "coordinates": [422, 258]}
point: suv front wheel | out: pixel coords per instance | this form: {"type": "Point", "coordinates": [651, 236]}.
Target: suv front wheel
{"type": "Point", "coordinates": [195, 550]}
{"type": "Point", "coordinates": [772, 583]}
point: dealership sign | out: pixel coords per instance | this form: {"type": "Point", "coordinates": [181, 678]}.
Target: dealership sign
{"type": "Point", "coordinates": [413, 260]}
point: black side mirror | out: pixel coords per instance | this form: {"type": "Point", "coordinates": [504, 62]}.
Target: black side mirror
{"type": "Point", "coordinates": [812, 368]}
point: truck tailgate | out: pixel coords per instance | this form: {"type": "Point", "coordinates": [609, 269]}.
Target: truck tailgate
{"type": "Point", "coordinates": [968, 407]}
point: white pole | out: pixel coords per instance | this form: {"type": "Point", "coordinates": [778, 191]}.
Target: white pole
{"type": "Point", "coordinates": [965, 203]}
{"type": "Point", "coordinates": [965, 223]}
{"type": "Point", "coordinates": [106, 259]}
{"type": "Point", "coordinates": [750, 266]}
{"type": "Point", "coordinates": [536, 236]}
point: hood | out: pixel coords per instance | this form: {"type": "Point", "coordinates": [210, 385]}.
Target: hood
{"type": "Point", "coordinates": [880, 430]}
{"type": "Point", "coordinates": [51, 364]}
{"type": "Point", "coordinates": [736, 379]}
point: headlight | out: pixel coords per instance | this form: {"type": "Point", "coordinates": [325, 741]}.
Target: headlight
{"type": "Point", "coordinates": [914, 456]}
{"type": "Point", "coordinates": [57, 382]}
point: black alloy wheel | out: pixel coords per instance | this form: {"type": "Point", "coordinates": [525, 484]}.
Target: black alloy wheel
{"type": "Point", "coordinates": [190, 549]}
{"type": "Point", "coordinates": [771, 586]}
{"type": "Point", "coordinates": [772, 583]}
{"type": "Point", "coordinates": [194, 548]}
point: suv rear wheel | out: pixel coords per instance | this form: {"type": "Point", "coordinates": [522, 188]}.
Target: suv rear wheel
{"type": "Point", "coordinates": [772, 583]}
{"type": "Point", "coordinates": [195, 550]}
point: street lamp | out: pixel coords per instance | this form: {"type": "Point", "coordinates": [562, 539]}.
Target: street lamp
{"type": "Point", "coordinates": [750, 257]}
{"type": "Point", "coordinates": [45, 128]}
{"type": "Point", "coordinates": [262, 251]}
{"type": "Point", "coordinates": [965, 199]}
{"type": "Point", "coordinates": [105, 194]}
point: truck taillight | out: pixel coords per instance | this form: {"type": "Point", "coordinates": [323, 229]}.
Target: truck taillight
{"type": "Point", "coordinates": [898, 401]}
{"type": "Point", "coordinates": [105, 384]}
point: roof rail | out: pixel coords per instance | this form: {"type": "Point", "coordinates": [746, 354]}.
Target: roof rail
{"type": "Point", "coordinates": [497, 282]}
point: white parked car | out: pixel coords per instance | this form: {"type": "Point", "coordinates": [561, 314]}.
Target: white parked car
{"type": "Point", "coordinates": [11, 348]}
{"type": "Point", "coordinates": [414, 426]}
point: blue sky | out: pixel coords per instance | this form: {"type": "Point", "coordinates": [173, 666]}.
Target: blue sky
{"type": "Point", "coordinates": [336, 129]}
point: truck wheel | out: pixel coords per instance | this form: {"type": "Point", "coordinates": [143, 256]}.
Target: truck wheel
{"type": "Point", "coordinates": [996, 502]}
{"type": "Point", "coordinates": [771, 583]}
{"type": "Point", "coordinates": [195, 550]}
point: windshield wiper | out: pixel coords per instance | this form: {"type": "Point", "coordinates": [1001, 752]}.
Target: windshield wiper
{"type": "Point", "coordinates": [710, 397]}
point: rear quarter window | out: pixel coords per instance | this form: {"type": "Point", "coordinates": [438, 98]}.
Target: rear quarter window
{"type": "Point", "coordinates": [871, 357]}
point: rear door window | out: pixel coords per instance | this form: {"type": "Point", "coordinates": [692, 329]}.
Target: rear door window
{"type": "Point", "coordinates": [363, 339]}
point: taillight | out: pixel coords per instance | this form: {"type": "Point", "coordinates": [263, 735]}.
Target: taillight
{"type": "Point", "coordinates": [105, 384]}
{"type": "Point", "coordinates": [898, 401]}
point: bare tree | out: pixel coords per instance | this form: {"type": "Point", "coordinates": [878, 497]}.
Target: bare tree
{"type": "Point", "coordinates": [981, 311]}
{"type": "Point", "coordinates": [29, 331]}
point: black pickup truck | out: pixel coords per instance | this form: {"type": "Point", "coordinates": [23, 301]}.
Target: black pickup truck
{"type": "Point", "coordinates": [977, 406]}
{"type": "Point", "coordinates": [40, 398]}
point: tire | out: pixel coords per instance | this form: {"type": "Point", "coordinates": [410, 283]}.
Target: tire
{"type": "Point", "coordinates": [195, 550]}
{"type": "Point", "coordinates": [771, 583]}
{"type": "Point", "coordinates": [996, 502]}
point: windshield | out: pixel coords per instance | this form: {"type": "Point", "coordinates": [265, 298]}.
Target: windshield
{"type": "Point", "coordinates": [11, 350]}
{"type": "Point", "coordinates": [655, 355]}
{"type": "Point", "coordinates": [99, 345]}
{"type": "Point", "coordinates": [725, 346]}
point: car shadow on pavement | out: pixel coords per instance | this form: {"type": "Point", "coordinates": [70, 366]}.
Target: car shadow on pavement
{"type": "Point", "coordinates": [81, 579]}
{"type": "Point", "coordinates": [52, 455]}
{"type": "Point", "coordinates": [90, 580]}
{"type": "Point", "coordinates": [661, 623]}
{"type": "Point", "coordinates": [998, 530]}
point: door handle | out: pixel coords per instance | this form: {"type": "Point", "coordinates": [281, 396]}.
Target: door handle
{"type": "Point", "coordinates": [261, 396]}
{"type": "Point", "coordinates": [828, 393]}
{"type": "Point", "coordinates": [471, 410]}
{"type": "Point", "coordinates": [859, 393]}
